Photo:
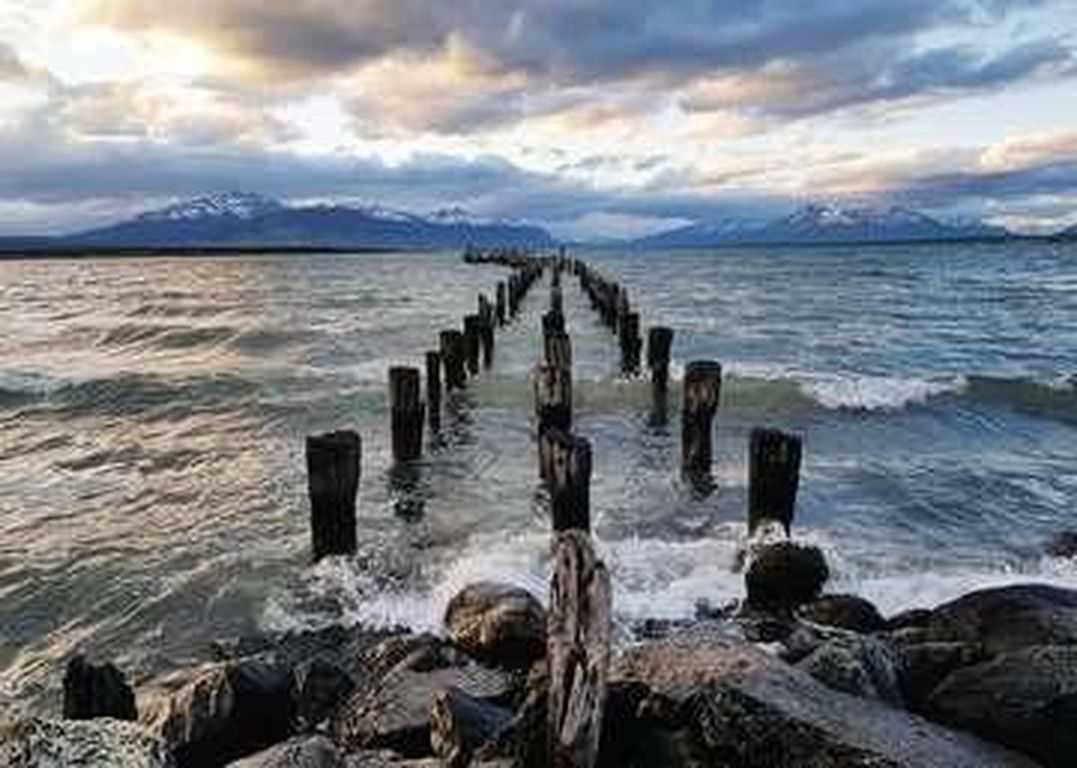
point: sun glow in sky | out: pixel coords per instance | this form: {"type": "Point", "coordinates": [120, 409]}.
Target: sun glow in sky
{"type": "Point", "coordinates": [594, 118]}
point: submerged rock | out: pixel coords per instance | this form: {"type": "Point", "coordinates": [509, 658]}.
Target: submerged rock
{"type": "Point", "coordinates": [727, 703]}
{"type": "Point", "coordinates": [1026, 699]}
{"type": "Point", "coordinates": [100, 743]}
{"type": "Point", "coordinates": [497, 623]}
{"type": "Point", "coordinates": [784, 575]}
{"type": "Point", "coordinates": [302, 752]}
{"type": "Point", "coordinates": [1008, 618]}
{"type": "Point", "coordinates": [845, 611]}
{"type": "Point", "coordinates": [96, 690]}
{"type": "Point", "coordinates": [219, 712]}
{"type": "Point", "coordinates": [857, 665]}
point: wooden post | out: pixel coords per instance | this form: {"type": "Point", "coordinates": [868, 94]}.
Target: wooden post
{"type": "Point", "coordinates": [553, 322]}
{"type": "Point", "coordinates": [472, 333]}
{"type": "Point", "coordinates": [553, 406]}
{"type": "Point", "coordinates": [500, 303]}
{"type": "Point", "coordinates": [433, 389]}
{"type": "Point", "coordinates": [630, 342]}
{"type": "Point", "coordinates": [773, 477]}
{"type": "Point", "coordinates": [453, 355]}
{"type": "Point", "coordinates": [333, 482]}
{"type": "Point", "coordinates": [486, 330]}
{"type": "Point", "coordinates": [578, 652]}
{"type": "Point", "coordinates": [557, 298]}
{"type": "Point", "coordinates": [406, 413]}
{"type": "Point", "coordinates": [568, 474]}
{"type": "Point", "coordinates": [557, 348]}
{"type": "Point", "coordinates": [702, 387]}
{"type": "Point", "coordinates": [659, 341]}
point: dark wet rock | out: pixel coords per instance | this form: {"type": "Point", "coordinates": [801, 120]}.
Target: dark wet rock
{"type": "Point", "coordinates": [522, 741]}
{"type": "Point", "coordinates": [731, 704]}
{"type": "Point", "coordinates": [99, 743]}
{"type": "Point", "coordinates": [857, 665]}
{"type": "Point", "coordinates": [801, 642]}
{"type": "Point", "coordinates": [395, 713]}
{"type": "Point", "coordinates": [301, 752]}
{"type": "Point", "coordinates": [219, 712]}
{"type": "Point", "coordinates": [318, 688]}
{"type": "Point", "coordinates": [96, 690]}
{"type": "Point", "coordinates": [421, 653]}
{"type": "Point", "coordinates": [925, 665]}
{"type": "Point", "coordinates": [914, 617]}
{"type": "Point", "coordinates": [381, 758]}
{"type": "Point", "coordinates": [1026, 699]}
{"type": "Point", "coordinates": [1008, 618]}
{"type": "Point", "coordinates": [784, 575]}
{"type": "Point", "coordinates": [497, 623]}
{"type": "Point", "coordinates": [460, 724]}
{"type": "Point", "coordinates": [845, 611]}
{"type": "Point", "coordinates": [1064, 544]}
{"type": "Point", "coordinates": [909, 636]}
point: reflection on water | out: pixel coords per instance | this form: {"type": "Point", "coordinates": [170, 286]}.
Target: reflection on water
{"type": "Point", "coordinates": [152, 416]}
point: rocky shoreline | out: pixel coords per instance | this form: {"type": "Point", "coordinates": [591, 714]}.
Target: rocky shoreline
{"type": "Point", "coordinates": [791, 677]}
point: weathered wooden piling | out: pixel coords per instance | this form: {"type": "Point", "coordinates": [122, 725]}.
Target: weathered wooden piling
{"type": "Point", "coordinates": [433, 389]}
{"type": "Point", "coordinates": [702, 387]}
{"type": "Point", "coordinates": [553, 322]}
{"type": "Point", "coordinates": [773, 477]}
{"type": "Point", "coordinates": [659, 342]}
{"type": "Point", "coordinates": [630, 342]}
{"type": "Point", "coordinates": [500, 303]}
{"type": "Point", "coordinates": [553, 406]}
{"type": "Point", "coordinates": [333, 462]}
{"type": "Point", "coordinates": [472, 342]}
{"type": "Point", "coordinates": [578, 651]}
{"type": "Point", "coordinates": [454, 356]}
{"type": "Point", "coordinates": [568, 477]}
{"type": "Point", "coordinates": [557, 349]}
{"type": "Point", "coordinates": [405, 413]}
{"type": "Point", "coordinates": [486, 330]}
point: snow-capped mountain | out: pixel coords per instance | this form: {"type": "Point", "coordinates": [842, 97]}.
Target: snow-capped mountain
{"type": "Point", "coordinates": [828, 224]}
{"type": "Point", "coordinates": [237, 219]}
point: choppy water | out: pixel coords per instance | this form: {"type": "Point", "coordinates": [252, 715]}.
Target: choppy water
{"type": "Point", "coordinates": [152, 415]}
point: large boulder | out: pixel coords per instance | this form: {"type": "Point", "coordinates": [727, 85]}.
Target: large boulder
{"type": "Point", "coordinates": [925, 665]}
{"type": "Point", "coordinates": [729, 703]}
{"type": "Point", "coordinates": [845, 611]}
{"type": "Point", "coordinates": [96, 690]}
{"type": "Point", "coordinates": [497, 623]}
{"type": "Point", "coordinates": [395, 713]}
{"type": "Point", "coordinates": [784, 575]}
{"type": "Point", "coordinates": [1026, 699]}
{"type": "Point", "coordinates": [300, 752]}
{"type": "Point", "coordinates": [99, 743]}
{"type": "Point", "coordinates": [1008, 618]}
{"type": "Point", "coordinates": [219, 712]}
{"type": "Point", "coordinates": [857, 665]}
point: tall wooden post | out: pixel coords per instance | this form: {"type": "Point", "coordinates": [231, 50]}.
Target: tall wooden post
{"type": "Point", "coordinates": [406, 413]}
{"type": "Point", "coordinates": [472, 334]}
{"type": "Point", "coordinates": [773, 477]}
{"type": "Point", "coordinates": [553, 406]}
{"type": "Point", "coordinates": [702, 387]}
{"type": "Point", "coordinates": [557, 349]}
{"type": "Point", "coordinates": [568, 475]}
{"type": "Point", "coordinates": [659, 341]}
{"type": "Point", "coordinates": [433, 389]}
{"type": "Point", "coordinates": [454, 355]}
{"type": "Point", "coordinates": [577, 651]}
{"type": "Point", "coordinates": [333, 466]}
{"type": "Point", "coordinates": [630, 342]}
{"type": "Point", "coordinates": [500, 303]}
{"type": "Point", "coordinates": [486, 330]}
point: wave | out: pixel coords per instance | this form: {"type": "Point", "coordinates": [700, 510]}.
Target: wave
{"type": "Point", "coordinates": [163, 336]}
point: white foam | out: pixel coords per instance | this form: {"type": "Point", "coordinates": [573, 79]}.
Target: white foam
{"type": "Point", "coordinates": [871, 393]}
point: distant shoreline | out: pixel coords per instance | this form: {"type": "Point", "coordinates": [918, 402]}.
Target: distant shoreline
{"type": "Point", "coordinates": [123, 252]}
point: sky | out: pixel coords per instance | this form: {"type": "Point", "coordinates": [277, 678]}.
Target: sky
{"type": "Point", "coordinates": [606, 118]}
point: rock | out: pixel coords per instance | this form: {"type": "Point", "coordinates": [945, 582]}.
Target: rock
{"type": "Point", "coordinates": [1064, 544]}
{"type": "Point", "coordinates": [497, 623]}
{"type": "Point", "coordinates": [924, 665]}
{"type": "Point", "coordinates": [845, 611]}
{"type": "Point", "coordinates": [395, 714]}
{"type": "Point", "coordinates": [96, 690]}
{"type": "Point", "coordinates": [460, 724]}
{"type": "Point", "coordinates": [858, 665]}
{"type": "Point", "coordinates": [100, 743]}
{"type": "Point", "coordinates": [219, 712]}
{"type": "Point", "coordinates": [318, 688]}
{"type": "Point", "coordinates": [421, 653]}
{"type": "Point", "coordinates": [728, 703]}
{"type": "Point", "coordinates": [302, 752]}
{"type": "Point", "coordinates": [784, 575]}
{"type": "Point", "coordinates": [1026, 699]}
{"type": "Point", "coordinates": [912, 618]}
{"type": "Point", "coordinates": [1008, 618]}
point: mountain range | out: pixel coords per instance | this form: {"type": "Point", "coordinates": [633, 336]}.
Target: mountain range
{"type": "Point", "coordinates": [245, 220]}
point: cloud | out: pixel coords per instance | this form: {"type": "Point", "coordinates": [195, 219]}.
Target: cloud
{"type": "Point", "coordinates": [11, 68]}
